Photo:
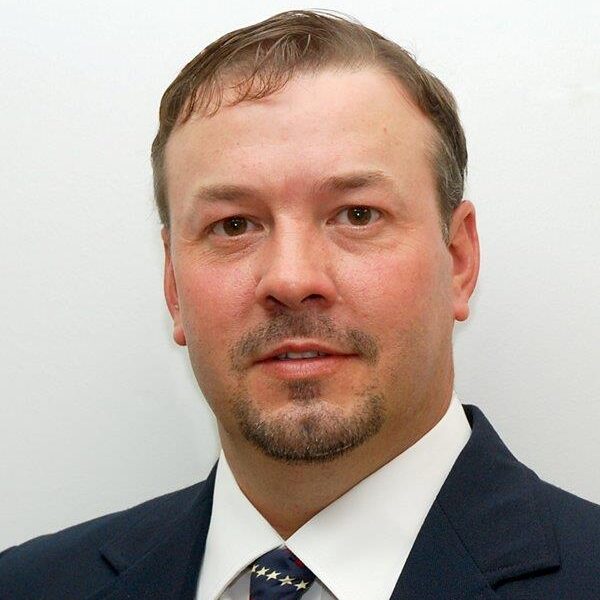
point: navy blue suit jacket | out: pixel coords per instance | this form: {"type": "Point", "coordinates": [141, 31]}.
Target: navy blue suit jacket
{"type": "Point", "coordinates": [494, 532]}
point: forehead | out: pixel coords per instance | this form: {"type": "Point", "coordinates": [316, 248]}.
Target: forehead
{"type": "Point", "coordinates": [317, 125]}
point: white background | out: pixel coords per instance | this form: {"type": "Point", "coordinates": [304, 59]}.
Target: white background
{"type": "Point", "coordinates": [99, 408]}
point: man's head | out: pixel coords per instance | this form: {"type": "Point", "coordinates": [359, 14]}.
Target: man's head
{"type": "Point", "coordinates": [307, 220]}
{"type": "Point", "coordinates": [258, 60]}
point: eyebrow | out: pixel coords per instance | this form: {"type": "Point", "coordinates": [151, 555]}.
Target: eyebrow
{"type": "Point", "coordinates": [332, 184]}
{"type": "Point", "coordinates": [353, 181]}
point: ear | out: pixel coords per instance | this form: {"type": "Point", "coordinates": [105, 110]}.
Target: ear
{"type": "Point", "coordinates": [464, 251]}
{"type": "Point", "coordinates": [170, 288]}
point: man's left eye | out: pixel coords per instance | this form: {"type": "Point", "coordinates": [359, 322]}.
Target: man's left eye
{"type": "Point", "coordinates": [358, 216]}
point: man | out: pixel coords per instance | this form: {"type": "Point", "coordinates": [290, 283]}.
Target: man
{"type": "Point", "coordinates": [309, 177]}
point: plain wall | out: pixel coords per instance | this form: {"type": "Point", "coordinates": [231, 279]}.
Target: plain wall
{"type": "Point", "coordinates": [99, 407]}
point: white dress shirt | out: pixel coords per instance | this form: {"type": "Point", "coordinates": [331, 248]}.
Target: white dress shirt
{"type": "Point", "coordinates": [356, 546]}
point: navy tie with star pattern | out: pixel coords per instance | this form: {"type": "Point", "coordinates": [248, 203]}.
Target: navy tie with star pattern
{"type": "Point", "coordinates": [279, 575]}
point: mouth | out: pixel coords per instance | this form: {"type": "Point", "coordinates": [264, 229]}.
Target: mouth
{"type": "Point", "coordinates": [295, 365]}
{"type": "Point", "coordinates": [299, 355]}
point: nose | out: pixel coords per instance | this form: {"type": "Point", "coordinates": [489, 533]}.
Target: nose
{"type": "Point", "coordinates": [295, 271]}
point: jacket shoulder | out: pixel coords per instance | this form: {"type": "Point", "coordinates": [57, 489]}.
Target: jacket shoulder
{"type": "Point", "coordinates": [530, 539]}
{"type": "Point", "coordinates": [576, 531]}
{"type": "Point", "coordinates": [39, 568]}
{"type": "Point", "coordinates": [576, 525]}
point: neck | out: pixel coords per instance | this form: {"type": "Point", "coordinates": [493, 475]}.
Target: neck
{"type": "Point", "coordinates": [289, 495]}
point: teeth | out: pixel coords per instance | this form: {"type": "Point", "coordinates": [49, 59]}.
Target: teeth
{"type": "Point", "coordinates": [292, 355]}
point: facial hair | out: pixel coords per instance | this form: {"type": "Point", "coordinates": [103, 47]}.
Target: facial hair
{"type": "Point", "coordinates": [313, 433]}
{"type": "Point", "coordinates": [308, 429]}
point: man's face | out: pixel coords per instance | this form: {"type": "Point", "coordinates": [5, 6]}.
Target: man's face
{"type": "Point", "coordinates": [307, 221]}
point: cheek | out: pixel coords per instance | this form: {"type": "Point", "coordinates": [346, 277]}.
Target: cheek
{"type": "Point", "coordinates": [405, 308]}
{"type": "Point", "coordinates": [211, 309]}
{"type": "Point", "coordinates": [214, 295]}
{"type": "Point", "coordinates": [394, 289]}
{"type": "Point", "coordinates": [214, 310]}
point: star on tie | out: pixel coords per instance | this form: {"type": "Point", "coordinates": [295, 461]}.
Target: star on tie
{"type": "Point", "coordinates": [261, 572]}
{"type": "Point", "coordinates": [286, 577]}
{"type": "Point", "coordinates": [303, 585]}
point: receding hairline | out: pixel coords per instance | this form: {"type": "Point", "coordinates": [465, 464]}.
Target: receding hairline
{"type": "Point", "coordinates": [431, 143]}
{"type": "Point", "coordinates": [229, 95]}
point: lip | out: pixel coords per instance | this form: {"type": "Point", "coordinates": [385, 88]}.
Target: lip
{"type": "Point", "coordinates": [301, 346]}
{"type": "Point", "coordinates": [297, 368]}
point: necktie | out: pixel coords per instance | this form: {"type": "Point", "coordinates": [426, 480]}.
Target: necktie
{"type": "Point", "coordinates": [279, 575]}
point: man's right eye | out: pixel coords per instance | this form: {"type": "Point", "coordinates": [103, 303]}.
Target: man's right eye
{"type": "Point", "coordinates": [231, 226]}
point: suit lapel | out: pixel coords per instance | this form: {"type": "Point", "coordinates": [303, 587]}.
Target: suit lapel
{"type": "Point", "coordinates": [488, 524]}
{"type": "Point", "coordinates": [439, 567]}
{"type": "Point", "coordinates": [161, 558]}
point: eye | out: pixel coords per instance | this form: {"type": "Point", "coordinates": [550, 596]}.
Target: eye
{"type": "Point", "coordinates": [359, 216]}
{"type": "Point", "coordinates": [231, 226]}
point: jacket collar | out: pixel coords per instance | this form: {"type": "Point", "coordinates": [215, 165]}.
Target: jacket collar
{"type": "Point", "coordinates": [159, 556]}
{"type": "Point", "coordinates": [488, 524]}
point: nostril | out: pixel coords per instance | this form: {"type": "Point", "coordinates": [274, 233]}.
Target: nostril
{"type": "Point", "coordinates": [274, 300]}
{"type": "Point", "coordinates": [313, 297]}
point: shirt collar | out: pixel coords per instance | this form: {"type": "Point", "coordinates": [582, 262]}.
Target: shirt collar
{"type": "Point", "coordinates": [391, 502]}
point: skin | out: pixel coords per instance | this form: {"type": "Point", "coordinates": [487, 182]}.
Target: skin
{"type": "Point", "coordinates": [385, 286]}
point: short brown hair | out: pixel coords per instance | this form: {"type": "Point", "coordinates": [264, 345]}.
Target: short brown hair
{"type": "Point", "coordinates": [262, 58]}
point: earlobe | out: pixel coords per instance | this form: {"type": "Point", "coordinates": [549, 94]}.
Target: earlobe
{"type": "Point", "coordinates": [170, 290]}
{"type": "Point", "coordinates": [464, 250]}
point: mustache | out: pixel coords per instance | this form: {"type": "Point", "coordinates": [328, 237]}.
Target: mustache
{"type": "Point", "coordinates": [287, 325]}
